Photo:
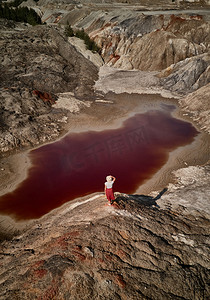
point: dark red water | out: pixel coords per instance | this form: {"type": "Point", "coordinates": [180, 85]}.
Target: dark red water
{"type": "Point", "coordinates": [78, 164]}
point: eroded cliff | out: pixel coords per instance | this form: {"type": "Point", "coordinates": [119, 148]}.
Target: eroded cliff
{"type": "Point", "coordinates": [37, 64]}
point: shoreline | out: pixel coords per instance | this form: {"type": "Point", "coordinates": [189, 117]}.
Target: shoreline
{"type": "Point", "coordinates": [107, 112]}
{"type": "Point", "coordinates": [14, 168]}
{"type": "Point", "coordinates": [179, 158]}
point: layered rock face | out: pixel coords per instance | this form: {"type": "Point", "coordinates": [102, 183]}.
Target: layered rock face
{"type": "Point", "coordinates": [197, 103]}
{"type": "Point", "coordinates": [139, 248]}
{"type": "Point", "coordinates": [177, 46]}
{"type": "Point", "coordinates": [187, 75]}
{"type": "Point", "coordinates": [150, 42]}
{"type": "Point", "coordinates": [37, 63]}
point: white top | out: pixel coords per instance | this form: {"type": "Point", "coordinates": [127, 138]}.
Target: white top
{"type": "Point", "coordinates": [109, 184]}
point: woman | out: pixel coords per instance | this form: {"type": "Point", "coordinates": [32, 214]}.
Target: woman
{"type": "Point", "coordinates": [108, 188]}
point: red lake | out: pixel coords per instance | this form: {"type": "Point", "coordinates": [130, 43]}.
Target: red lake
{"type": "Point", "coordinates": [78, 164]}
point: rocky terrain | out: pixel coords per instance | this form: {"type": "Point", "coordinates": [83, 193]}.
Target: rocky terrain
{"type": "Point", "coordinates": [141, 247]}
{"type": "Point", "coordinates": [197, 103]}
{"type": "Point", "coordinates": [40, 63]}
{"type": "Point", "coordinates": [37, 66]}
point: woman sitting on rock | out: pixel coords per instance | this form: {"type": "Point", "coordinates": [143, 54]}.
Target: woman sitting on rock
{"type": "Point", "coordinates": [108, 188]}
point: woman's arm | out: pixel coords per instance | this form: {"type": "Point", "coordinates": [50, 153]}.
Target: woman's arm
{"type": "Point", "coordinates": [113, 178]}
{"type": "Point", "coordinates": [104, 188]}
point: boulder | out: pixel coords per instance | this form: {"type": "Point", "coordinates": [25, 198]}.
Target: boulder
{"type": "Point", "coordinates": [187, 75]}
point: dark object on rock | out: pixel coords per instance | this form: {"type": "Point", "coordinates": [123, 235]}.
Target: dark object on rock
{"type": "Point", "coordinates": [133, 202]}
{"type": "Point", "coordinates": [30, 250]}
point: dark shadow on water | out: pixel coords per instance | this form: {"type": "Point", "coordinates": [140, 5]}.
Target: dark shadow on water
{"type": "Point", "coordinates": [123, 200]}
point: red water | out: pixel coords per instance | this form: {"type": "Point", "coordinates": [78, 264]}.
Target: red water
{"type": "Point", "coordinates": [78, 164]}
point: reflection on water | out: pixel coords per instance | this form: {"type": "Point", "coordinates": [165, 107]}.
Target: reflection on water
{"type": "Point", "coordinates": [78, 164]}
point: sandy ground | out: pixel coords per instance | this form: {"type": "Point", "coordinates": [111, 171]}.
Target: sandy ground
{"type": "Point", "coordinates": [13, 171]}
{"type": "Point", "coordinates": [107, 113]}
{"type": "Point", "coordinates": [134, 81]}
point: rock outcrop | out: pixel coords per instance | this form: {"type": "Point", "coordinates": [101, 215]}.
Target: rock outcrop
{"type": "Point", "coordinates": [38, 61]}
{"type": "Point", "coordinates": [41, 58]}
{"type": "Point", "coordinates": [198, 105]}
{"type": "Point", "coordinates": [139, 248]}
{"type": "Point", "coordinates": [148, 42]}
{"type": "Point", "coordinates": [187, 75]}
{"type": "Point", "coordinates": [129, 40]}
{"type": "Point", "coordinates": [157, 50]}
